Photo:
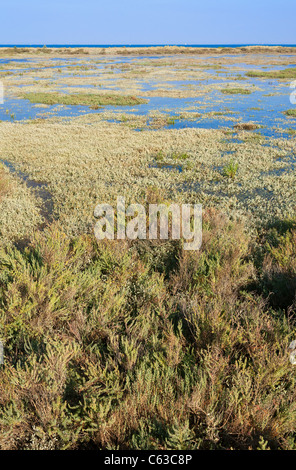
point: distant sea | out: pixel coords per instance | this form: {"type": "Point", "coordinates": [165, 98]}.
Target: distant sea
{"type": "Point", "coordinates": [143, 45]}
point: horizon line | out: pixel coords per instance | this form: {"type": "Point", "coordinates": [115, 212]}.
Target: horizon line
{"type": "Point", "coordinates": [145, 45]}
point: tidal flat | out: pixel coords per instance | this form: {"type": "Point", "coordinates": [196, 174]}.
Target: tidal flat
{"type": "Point", "coordinates": [90, 126]}
{"type": "Point", "coordinates": [140, 344]}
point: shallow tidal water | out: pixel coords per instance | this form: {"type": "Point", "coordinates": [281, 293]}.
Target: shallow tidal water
{"type": "Point", "coordinates": [263, 107]}
{"type": "Point", "coordinates": [181, 93]}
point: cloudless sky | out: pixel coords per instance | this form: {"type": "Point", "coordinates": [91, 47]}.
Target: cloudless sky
{"type": "Point", "coordinates": [147, 22]}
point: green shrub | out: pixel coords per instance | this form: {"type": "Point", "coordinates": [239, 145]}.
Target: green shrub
{"type": "Point", "coordinates": [113, 345]}
{"type": "Point", "coordinates": [230, 169]}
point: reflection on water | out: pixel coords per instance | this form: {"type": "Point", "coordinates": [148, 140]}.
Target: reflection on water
{"type": "Point", "coordinates": [264, 107]}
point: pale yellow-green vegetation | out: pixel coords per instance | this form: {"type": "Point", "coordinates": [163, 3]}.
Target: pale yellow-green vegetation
{"type": "Point", "coordinates": [83, 99]}
{"type": "Point", "coordinates": [4, 183]}
{"type": "Point", "coordinates": [89, 164]}
{"type": "Point", "coordinates": [286, 74]}
{"type": "Point", "coordinates": [235, 91]}
{"type": "Point", "coordinates": [247, 126]}
{"type": "Point", "coordinates": [150, 50]}
{"type": "Point", "coordinates": [43, 75]}
{"type": "Point", "coordinates": [142, 345]}
{"type": "Point", "coordinates": [19, 209]}
{"type": "Point", "coordinates": [145, 346]}
{"type": "Point", "coordinates": [291, 112]}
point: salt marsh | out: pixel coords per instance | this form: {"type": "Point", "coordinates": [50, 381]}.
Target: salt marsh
{"type": "Point", "coordinates": [204, 106]}
{"type": "Point", "coordinates": [171, 85]}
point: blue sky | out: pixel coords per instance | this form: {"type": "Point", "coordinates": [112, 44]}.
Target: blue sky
{"type": "Point", "coordinates": [147, 22]}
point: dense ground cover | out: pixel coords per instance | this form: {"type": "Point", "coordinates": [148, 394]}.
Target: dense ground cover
{"type": "Point", "coordinates": [83, 99]}
{"type": "Point", "coordinates": [142, 345]}
{"type": "Point", "coordinates": [286, 74]}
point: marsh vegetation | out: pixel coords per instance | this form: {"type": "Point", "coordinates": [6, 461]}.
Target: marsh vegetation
{"type": "Point", "coordinates": [291, 112]}
{"type": "Point", "coordinates": [141, 344]}
{"type": "Point", "coordinates": [286, 74]}
{"type": "Point", "coordinates": [83, 99]}
{"type": "Point", "coordinates": [235, 91]}
{"type": "Point", "coordinates": [145, 346]}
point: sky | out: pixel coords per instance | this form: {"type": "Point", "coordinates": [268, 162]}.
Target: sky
{"type": "Point", "coordinates": [147, 22]}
